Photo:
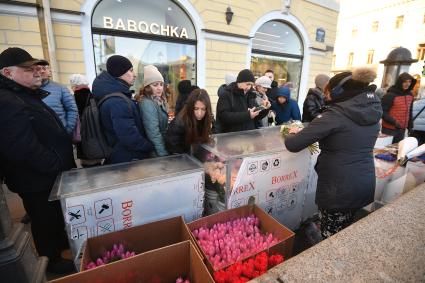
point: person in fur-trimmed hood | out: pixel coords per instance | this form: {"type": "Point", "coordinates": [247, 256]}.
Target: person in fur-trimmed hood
{"type": "Point", "coordinates": [397, 107]}
{"type": "Point", "coordinates": [346, 132]}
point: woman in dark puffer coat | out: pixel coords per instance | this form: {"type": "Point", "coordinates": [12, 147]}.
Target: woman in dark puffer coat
{"type": "Point", "coordinates": [193, 125]}
{"type": "Point", "coordinates": [346, 133]}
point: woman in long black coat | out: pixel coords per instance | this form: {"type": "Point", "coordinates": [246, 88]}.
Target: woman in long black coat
{"type": "Point", "coordinates": [346, 133]}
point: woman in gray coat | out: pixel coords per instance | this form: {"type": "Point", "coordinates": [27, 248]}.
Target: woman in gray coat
{"type": "Point", "coordinates": [346, 133]}
{"type": "Point", "coordinates": [153, 108]}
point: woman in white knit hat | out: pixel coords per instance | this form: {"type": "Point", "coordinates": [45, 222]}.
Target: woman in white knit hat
{"type": "Point", "coordinates": [262, 85]}
{"type": "Point", "coordinates": [153, 108]}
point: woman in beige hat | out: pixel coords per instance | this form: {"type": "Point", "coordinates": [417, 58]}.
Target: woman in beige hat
{"type": "Point", "coordinates": [153, 108]}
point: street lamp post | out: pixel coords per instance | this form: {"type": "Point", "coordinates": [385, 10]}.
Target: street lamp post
{"type": "Point", "coordinates": [398, 61]}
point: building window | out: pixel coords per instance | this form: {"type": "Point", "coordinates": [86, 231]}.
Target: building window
{"type": "Point", "coordinates": [354, 32]}
{"type": "Point", "coordinates": [399, 22]}
{"type": "Point", "coordinates": [370, 56]}
{"type": "Point", "coordinates": [278, 47]}
{"type": "Point", "coordinates": [350, 59]}
{"type": "Point", "coordinates": [158, 33]}
{"type": "Point", "coordinates": [375, 26]}
{"type": "Point", "coordinates": [421, 52]}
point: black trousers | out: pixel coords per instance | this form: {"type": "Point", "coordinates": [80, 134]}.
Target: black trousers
{"type": "Point", "coordinates": [47, 224]}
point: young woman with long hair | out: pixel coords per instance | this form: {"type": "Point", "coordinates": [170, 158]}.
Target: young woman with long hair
{"type": "Point", "coordinates": [193, 125]}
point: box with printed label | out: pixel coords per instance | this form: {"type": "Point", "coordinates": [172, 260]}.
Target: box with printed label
{"type": "Point", "coordinates": [254, 167]}
{"type": "Point", "coordinates": [100, 200]}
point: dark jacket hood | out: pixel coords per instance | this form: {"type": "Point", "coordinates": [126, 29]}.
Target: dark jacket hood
{"type": "Point", "coordinates": [398, 86]}
{"type": "Point", "coordinates": [105, 84]}
{"type": "Point", "coordinates": [221, 90]}
{"type": "Point", "coordinates": [316, 91]}
{"type": "Point", "coordinates": [364, 107]}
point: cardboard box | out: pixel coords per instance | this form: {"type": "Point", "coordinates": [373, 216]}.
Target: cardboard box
{"type": "Point", "coordinates": [162, 265]}
{"type": "Point", "coordinates": [139, 239]}
{"type": "Point", "coordinates": [267, 224]}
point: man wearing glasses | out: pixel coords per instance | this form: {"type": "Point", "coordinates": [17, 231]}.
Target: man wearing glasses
{"type": "Point", "coordinates": [34, 148]}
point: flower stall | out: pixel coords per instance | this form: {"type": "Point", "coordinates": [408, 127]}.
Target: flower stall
{"type": "Point", "coordinates": [255, 167]}
{"type": "Point", "coordinates": [100, 200]}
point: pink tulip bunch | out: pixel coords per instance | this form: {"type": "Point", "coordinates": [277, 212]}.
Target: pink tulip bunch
{"type": "Point", "coordinates": [231, 241]}
{"type": "Point", "coordinates": [181, 280]}
{"type": "Point", "coordinates": [118, 252]}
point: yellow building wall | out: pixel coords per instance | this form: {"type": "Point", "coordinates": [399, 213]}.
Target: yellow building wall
{"type": "Point", "coordinates": [221, 57]}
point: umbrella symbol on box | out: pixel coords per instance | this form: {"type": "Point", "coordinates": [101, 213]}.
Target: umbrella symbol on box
{"type": "Point", "coordinates": [103, 208]}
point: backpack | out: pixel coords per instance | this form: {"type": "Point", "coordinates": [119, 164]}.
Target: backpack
{"type": "Point", "coordinates": [93, 141]}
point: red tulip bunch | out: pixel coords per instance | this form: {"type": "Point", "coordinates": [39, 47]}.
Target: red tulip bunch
{"type": "Point", "coordinates": [118, 252]}
{"type": "Point", "coordinates": [251, 268]}
{"type": "Point", "coordinates": [226, 243]}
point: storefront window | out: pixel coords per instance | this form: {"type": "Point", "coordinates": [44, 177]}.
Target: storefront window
{"type": "Point", "coordinates": [278, 47]}
{"type": "Point", "coordinates": [147, 32]}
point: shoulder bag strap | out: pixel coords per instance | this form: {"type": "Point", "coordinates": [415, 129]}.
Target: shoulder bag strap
{"type": "Point", "coordinates": [416, 116]}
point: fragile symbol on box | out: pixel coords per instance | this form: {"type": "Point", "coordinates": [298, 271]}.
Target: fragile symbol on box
{"type": "Point", "coordinates": [103, 208]}
{"type": "Point", "coordinates": [75, 214]}
{"type": "Point", "coordinates": [105, 226]}
{"type": "Point", "coordinates": [79, 233]}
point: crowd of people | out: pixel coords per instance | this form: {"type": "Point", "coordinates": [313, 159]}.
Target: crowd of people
{"type": "Point", "coordinates": [39, 117]}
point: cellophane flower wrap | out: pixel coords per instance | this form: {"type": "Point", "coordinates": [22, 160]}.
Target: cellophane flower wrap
{"type": "Point", "coordinates": [231, 241]}
{"type": "Point", "coordinates": [284, 129]}
{"type": "Point", "coordinates": [117, 252]}
{"type": "Point", "coordinates": [248, 269]}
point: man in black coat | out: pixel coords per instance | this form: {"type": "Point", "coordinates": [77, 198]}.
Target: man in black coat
{"type": "Point", "coordinates": [34, 148]}
{"type": "Point", "coordinates": [315, 101]}
{"type": "Point", "coordinates": [346, 133]}
{"type": "Point", "coordinates": [237, 107]}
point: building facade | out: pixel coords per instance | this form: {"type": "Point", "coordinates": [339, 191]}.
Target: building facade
{"type": "Point", "coordinates": [185, 39]}
{"type": "Point", "coordinates": [368, 30]}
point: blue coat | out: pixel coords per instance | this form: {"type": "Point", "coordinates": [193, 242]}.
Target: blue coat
{"type": "Point", "coordinates": [123, 129]}
{"type": "Point", "coordinates": [62, 102]}
{"type": "Point", "coordinates": [155, 121]}
{"type": "Point", "coordinates": [419, 123]}
{"type": "Point", "coordinates": [286, 111]}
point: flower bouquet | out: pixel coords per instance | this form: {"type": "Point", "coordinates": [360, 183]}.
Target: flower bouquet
{"type": "Point", "coordinates": [286, 128]}
{"type": "Point", "coordinates": [231, 241]}
{"type": "Point", "coordinates": [248, 269]}
{"type": "Point", "coordinates": [118, 252]}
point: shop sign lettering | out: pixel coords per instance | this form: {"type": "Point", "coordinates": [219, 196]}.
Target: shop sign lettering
{"type": "Point", "coordinates": [284, 178]}
{"type": "Point", "coordinates": [144, 27]}
{"type": "Point", "coordinates": [126, 214]}
{"type": "Point", "coordinates": [245, 188]}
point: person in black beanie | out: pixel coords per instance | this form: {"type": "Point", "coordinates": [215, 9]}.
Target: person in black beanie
{"type": "Point", "coordinates": [185, 87]}
{"type": "Point", "coordinates": [346, 131]}
{"type": "Point", "coordinates": [237, 109]}
{"type": "Point", "coordinates": [120, 117]}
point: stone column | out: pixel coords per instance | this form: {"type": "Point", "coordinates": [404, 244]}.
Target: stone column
{"type": "Point", "coordinates": [18, 260]}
